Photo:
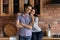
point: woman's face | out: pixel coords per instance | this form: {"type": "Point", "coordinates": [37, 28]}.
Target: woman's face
{"type": "Point", "coordinates": [33, 11]}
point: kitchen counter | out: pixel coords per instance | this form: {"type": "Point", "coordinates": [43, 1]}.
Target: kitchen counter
{"type": "Point", "coordinates": [51, 38]}
{"type": "Point", "coordinates": [4, 38]}
{"type": "Point", "coordinates": [8, 38]}
{"type": "Point", "coordinates": [44, 38]}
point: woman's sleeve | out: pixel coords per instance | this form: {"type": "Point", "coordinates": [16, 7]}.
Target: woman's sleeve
{"type": "Point", "coordinates": [36, 20]}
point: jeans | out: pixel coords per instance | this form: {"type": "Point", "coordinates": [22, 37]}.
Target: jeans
{"type": "Point", "coordinates": [24, 37]}
{"type": "Point", "coordinates": [37, 35]}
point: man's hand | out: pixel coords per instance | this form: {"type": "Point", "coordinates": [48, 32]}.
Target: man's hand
{"type": "Point", "coordinates": [27, 26]}
{"type": "Point", "coordinates": [18, 24]}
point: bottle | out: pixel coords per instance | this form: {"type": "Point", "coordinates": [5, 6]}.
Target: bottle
{"type": "Point", "coordinates": [49, 31]}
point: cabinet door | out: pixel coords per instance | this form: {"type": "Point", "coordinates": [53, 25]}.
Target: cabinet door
{"type": "Point", "coordinates": [16, 6]}
{"type": "Point", "coordinates": [37, 6]}
{"type": "Point", "coordinates": [5, 6]}
{"type": "Point", "coordinates": [1, 7]}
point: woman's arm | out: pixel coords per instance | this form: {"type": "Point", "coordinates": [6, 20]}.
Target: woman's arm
{"type": "Point", "coordinates": [32, 19]}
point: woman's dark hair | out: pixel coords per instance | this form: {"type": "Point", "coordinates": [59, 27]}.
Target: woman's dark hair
{"type": "Point", "coordinates": [33, 8]}
{"type": "Point", "coordinates": [35, 15]}
{"type": "Point", "coordinates": [35, 12]}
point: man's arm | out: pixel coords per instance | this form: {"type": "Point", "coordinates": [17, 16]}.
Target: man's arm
{"type": "Point", "coordinates": [18, 24]}
{"type": "Point", "coordinates": [29, 26]}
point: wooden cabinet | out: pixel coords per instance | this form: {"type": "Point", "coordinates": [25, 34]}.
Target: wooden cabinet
{"type": "Point", "coordinates": [9, 7]}
{"type": "Point", "coordinates": [37, 6]}
{"type": "Point", "coordinates": [15, 6]}
{"type": "Point", "coordinates": [1, 7]}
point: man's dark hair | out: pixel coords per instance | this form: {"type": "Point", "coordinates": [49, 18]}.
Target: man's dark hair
{"type": "Point", "coordinates": [26, 5]}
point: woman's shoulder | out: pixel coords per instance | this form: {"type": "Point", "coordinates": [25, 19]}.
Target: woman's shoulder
{"type": "Point", "coordinates": [36, 17]}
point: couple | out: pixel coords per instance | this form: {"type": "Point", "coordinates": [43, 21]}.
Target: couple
{"type": "Point", "coordinates": [26, 23]}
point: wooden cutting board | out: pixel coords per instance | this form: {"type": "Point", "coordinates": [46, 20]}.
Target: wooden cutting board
{"type": "Point", "coordinates": [10, 30]}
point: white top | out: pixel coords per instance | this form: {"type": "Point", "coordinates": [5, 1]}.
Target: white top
{"type": "Point", "coordinates": [36, 28]}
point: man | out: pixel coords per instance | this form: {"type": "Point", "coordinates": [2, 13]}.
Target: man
{"type": "Point", "coordinates": [24, 24]}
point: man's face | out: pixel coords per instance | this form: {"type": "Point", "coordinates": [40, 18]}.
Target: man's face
{"type": "Point", "coordinates": [28, 9]}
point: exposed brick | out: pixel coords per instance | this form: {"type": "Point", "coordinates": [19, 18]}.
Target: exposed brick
{"type": "Point", "coordinates": [51, 15]}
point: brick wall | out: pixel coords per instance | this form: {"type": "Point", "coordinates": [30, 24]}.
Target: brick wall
{"type": "Point", "coordinates": [4, 20]}
{"type": "Point", "coordinates": [7, 19]}
{"type": "Point", "coordinates": [50, 15]}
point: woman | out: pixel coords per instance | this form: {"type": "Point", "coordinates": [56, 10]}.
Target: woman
{"type": "Point", "coordinates": [36, 30]}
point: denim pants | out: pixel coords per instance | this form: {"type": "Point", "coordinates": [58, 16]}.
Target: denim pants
{"type": "Point", "coordinates": [37, 35]}
{"type": "Point", "coordinates": [24, 37]}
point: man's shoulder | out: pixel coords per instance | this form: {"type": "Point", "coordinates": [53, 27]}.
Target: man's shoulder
{"type": "Point", "coordinates": [18, 14]}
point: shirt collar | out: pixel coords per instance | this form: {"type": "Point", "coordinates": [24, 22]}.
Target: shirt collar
{"type": "Point", "coordinates": [26, 15]}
